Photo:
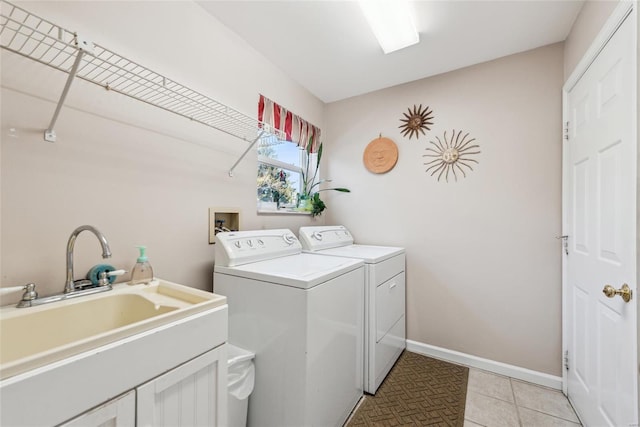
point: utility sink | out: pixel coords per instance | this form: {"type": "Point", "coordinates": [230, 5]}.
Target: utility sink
{"type": "Point", "coordinates": [35, 336]}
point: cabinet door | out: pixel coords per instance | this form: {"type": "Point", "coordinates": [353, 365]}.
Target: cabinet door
{"type": "Point", "coordinates": [118, 412]}
{"type": "Point", "coordinates": [193, 394]}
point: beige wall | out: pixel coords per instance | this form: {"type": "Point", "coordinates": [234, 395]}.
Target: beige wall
{"type": "Point", "coordinates": [588, 23]}
{"type": "Point", "coordinates": [483, 261]}
{"type": "Point", "coordinates": [141, 175]}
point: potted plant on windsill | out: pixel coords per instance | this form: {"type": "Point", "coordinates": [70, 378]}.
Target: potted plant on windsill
{"type": "Point", "coordinates": [309, 200]}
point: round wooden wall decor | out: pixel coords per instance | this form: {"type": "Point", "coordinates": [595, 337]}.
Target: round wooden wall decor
{"type": "Point", "coordinates": [381, 155]}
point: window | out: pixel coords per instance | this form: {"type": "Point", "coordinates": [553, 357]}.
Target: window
{"type": "Point", "coordinates": [282, 158]}
{"type": "Point", "coordinates": [279, 174]}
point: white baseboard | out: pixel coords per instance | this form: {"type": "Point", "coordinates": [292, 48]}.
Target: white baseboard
{"type": "Point", "coordinates": [500, 368]}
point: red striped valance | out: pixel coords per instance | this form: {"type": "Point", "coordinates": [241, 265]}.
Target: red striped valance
{"type": "Point", "coordinates": [296, 129]}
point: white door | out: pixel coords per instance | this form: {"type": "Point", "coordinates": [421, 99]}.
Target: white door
{"type": "Point", "coordinates": [118, 412]}
{"type": "Point", "coordinates": [191, 395]}
{"type": "Point", "coordinates": [600, 220]}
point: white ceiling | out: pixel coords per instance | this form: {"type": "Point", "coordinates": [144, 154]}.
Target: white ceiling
{"type": "Point", "coordinates": [328, 48]}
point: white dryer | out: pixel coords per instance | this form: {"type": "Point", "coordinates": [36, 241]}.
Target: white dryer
{"type": "Point", "coordinates": [302, 314]}
{"type": "Point", "coordinates": [385, 295]}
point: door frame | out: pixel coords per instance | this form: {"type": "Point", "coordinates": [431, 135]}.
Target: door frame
{"type": "Point", "coordinates": [622, 10]}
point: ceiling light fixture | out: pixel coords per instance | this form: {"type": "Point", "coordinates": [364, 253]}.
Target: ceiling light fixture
{"type": "Point", "coordinates": [391, 23]}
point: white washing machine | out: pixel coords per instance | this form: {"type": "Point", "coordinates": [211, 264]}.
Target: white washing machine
{"type": "Point", "coordinates": [385, 296]}
{"type": "Point", "coordinates": [302, 315]}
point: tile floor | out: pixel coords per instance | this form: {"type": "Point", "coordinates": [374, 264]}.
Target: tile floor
{"type": "Point", "coordinates": [494, 400]}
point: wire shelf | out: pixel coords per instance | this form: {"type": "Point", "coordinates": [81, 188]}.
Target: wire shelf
{"type": "Point", "coordinates": [28, 35]}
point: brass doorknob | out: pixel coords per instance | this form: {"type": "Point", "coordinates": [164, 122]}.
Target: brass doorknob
{"type": "Point", "coordinates": [625, 292]}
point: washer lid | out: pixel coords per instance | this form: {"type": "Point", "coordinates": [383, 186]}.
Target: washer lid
{"type": "Point", "coordinates": [370, 254]}
{"type": "Point", "coordinates": [301, 271]}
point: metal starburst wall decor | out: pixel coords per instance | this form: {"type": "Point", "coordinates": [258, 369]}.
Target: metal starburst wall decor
{"type": "Point", "coordinates": [451, 154]}
{"type": "Point", "coordinates": [416, 120]}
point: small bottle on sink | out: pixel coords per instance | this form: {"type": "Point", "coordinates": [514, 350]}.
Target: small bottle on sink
{"type": "Point", "coordinates": [142, 271]}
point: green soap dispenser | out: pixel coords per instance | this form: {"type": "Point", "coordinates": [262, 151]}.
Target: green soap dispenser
{"type": "Point", "coordinates": [142, 271]}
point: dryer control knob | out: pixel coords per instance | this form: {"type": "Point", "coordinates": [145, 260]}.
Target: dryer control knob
{"type": "Point", "coordinates": [316, 235]}
{"type": "Point", "coordinates": [289, 238]}
{"type": "Point", "coordinates": [237, 243]}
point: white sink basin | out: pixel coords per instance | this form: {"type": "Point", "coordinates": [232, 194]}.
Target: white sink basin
{"type": "Point", "coordinates": [35, 336]}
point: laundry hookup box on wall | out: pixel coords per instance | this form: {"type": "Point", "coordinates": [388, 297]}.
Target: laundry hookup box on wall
{"type": "Point", "coordinates": [223, 219]}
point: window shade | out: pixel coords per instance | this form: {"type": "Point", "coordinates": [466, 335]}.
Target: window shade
{"type": "Point", "coordinates": [295, 128]}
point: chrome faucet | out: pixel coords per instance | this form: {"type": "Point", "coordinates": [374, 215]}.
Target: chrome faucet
{"type": "Point", "coordinates": [71, 289]}
{"type": "Point", "coordinates": [106, 252]}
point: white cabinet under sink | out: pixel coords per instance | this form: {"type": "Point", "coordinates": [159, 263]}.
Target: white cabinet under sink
{"type": "Point", "coordinates": [193, 394]}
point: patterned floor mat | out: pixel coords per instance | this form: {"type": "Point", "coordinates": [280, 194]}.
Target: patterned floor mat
{"type": "Point", "coordinates": [419, 391]}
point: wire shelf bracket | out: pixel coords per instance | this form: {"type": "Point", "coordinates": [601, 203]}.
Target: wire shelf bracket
{"type": "Point", "coordinates": [245, 153]}
{"type": "Point", "coordinates": [84, 47]}
{"type": "Point", "coordinates": [30, 36]}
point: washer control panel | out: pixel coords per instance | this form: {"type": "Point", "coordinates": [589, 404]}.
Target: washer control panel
{"type": "Point", "coordinates": [242, 247]}
{"type": "Point", "coordinates": [324, 237]}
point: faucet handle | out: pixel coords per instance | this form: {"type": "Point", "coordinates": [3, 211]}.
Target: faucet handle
{"type": "Point", "coordinates": [104, 276]}
{"type": "Point", "coordinates": [104, 280]}
{"type": "Point", "coordinates": [12, 289]}
{"type": "Point", "coordinates": [29, 292]}
{"type": "Point", "coordinates": [29, 295]}
{"type": "Point", "coordinates": [116, 273]}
